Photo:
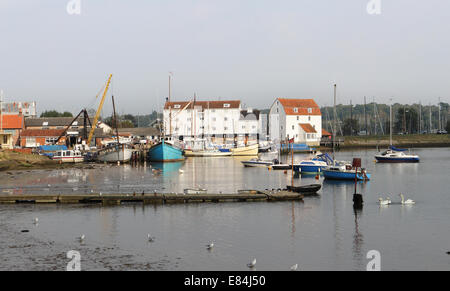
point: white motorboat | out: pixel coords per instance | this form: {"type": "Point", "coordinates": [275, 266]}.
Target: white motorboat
{"type": "Point", "coordinates": [68, 156]}
{"type": "Point", "coordinates": [257, 163]}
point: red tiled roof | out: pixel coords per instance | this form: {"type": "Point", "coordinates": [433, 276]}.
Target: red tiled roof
{"type": "Point", "coordinates": [204, 104]}
{"type": "Point", "coordinates": [302, 106]}
{"type": "Point", "coordinates": [325, 133]}
{"type": "Point", "coordinates": [307, 128]}
{"type": "Point", "coordinates": [12, 121]}
{"type": "Point", "coordinates": [42, 132]}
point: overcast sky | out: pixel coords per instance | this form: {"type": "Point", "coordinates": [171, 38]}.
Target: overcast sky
{"type": "Point", "coordinates": [252, 50]}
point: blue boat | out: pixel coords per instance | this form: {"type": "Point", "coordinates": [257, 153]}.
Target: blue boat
{"type": "Point", "coordinates": [395, 155]}
{"type": "Point", "coordinates": [345, 172]}
{"type": "Point", "coordinates": [165, 152]}
{"type": "Point", "coordinates": [315, 165]}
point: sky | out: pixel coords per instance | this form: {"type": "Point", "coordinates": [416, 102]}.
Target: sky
{"type": "Point", "coordinates": [251, 50]}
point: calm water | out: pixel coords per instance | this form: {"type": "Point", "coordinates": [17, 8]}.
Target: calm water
{"type": "Point", "coordinates": [321, 233]}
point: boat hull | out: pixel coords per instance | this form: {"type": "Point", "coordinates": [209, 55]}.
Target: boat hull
{"type": "Point", "coordinates": [256, 164]}
{"type": "Point", "coordinates": [309, 168]}
{"type": "Point", "coordinates": [68, 159]}
{"type": "Point", "coordinates": [339, 175]}
{"type": "Point", "coordinates": [189, 153]}
{"type": "Point", "coordinates": [313, 188]}
{"type": "Point", "coordinates": [381, 159]}
{"type": "Point", "coordinates": [251, 150]}
{"type": "Point", "coordinates": [164, 152]}
{"type": "Point", "coordinates": [122, 155]}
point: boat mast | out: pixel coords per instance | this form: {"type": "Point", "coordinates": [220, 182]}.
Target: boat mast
{"type": "Point", "coordinates": [334, 124]}
{"type": "Point", "coordinates": [170, 113]}
{"type": "Point", "coordinates": [390, 123]}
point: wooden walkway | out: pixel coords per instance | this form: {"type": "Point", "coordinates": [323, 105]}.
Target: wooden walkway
{"type": "Point", "coordinates": [156, 198]}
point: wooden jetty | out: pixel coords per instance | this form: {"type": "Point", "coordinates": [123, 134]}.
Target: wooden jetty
{"type": "Point", "coordinates": [150, 198]}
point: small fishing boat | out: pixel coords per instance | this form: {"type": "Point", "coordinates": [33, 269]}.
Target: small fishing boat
{"type": "Point", "coordinates": [68, 156]}
{"type": "Point", "coordinates": [250, 150]}
{"type": "Point", "coordinates": [395, 155]}
{"type": "Point", "coordinates": [345, 172]}
{"type": "Point", "coordinates": [195, 191]}
{"type": "Point", "coordinates": [313, 188]}
{"type": "Point", "coordinates": [165, 152]}
{"type": "Point", "coordinates": [256, 162]}
{"type": "Point", "coordinates": [115, 153]}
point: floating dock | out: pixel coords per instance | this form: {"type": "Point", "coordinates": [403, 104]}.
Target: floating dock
{"type": "Point", "coordinates": [150, 198]}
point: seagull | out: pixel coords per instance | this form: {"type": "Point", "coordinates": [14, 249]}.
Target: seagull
{"type": "Point", "coordinates": [210, 246]}
{"type": "Point", "coordinates": [409, 201]}
{"type": "Point", "coordinates": [82, 237]}
{"type": "Point", "coordinates": [150, 239]}
{"type": "Point", "coordinates": [294, 267]}
{"type": "Point", "coordinates": [36, 220]}
{"type": "Point", "coordinates": [252, 264]}
{"type": "Point", "coordinates": [383, 202]}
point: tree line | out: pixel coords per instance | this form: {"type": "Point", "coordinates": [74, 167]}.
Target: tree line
{"type": "Point", "coordinates": [373, 118]}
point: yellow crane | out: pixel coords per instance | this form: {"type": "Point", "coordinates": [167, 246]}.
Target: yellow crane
{"type": "Point", "coordinates": [94, 124]}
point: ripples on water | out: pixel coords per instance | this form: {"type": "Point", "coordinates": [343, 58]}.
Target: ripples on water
{"type": "Point", "coordinates": [321, 233]}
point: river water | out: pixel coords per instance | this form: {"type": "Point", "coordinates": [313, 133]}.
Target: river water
{"type": "Point", "coordinates": [320, 233]}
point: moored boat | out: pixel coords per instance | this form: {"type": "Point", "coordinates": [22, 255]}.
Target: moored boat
{"type": "Point", "coordinates": [195, 191]}
{"type": "Point", "coordinates": [257, 163]}
{"type": "Point", "coordinates": [68, 156]}
{"type": "Point", "coordinates": [115, 153]}
{"type": "Point", "coordinates": [394, 155]}
{"type": "Point", "coordinates": [345, 172]}
{"type": "Point", "coordinates": [311, 189]}
{"type": "Point", "coordinates": [207, 153]}
{"type": "Point", "coordinates": [250, 150]}
{"type": "Point", "coordinates": [165, 152]}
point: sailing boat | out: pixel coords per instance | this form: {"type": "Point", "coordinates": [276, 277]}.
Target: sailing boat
{"type": "Point", "coordinates": [342, 170]}
{"type": "Point", "coordinates": [166, 151]}
{"type": "Point", "coordinates": [117, 152]}
{"type": "Point", "coordinates": [393, 154]}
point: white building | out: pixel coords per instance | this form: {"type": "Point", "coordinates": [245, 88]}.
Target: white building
{"type": "Point", "coordinates": [28, 109]}
{"type": "Point", "coordinates": [300, 119]}
{"type": "Point", "coordinates": [217, 122]}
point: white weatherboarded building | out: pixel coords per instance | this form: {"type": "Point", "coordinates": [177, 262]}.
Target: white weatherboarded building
{"type": "Point", "coordinates": [211, 122]}
{"type": "Point", "coordinates": [300, 119]}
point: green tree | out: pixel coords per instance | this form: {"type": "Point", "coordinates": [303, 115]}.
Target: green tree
{"type": "Point", "coordinates": [447, 127]}
{"type": "Point", "coordinates": [54, 113]}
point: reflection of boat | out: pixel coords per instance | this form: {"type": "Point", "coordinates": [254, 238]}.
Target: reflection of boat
{"type": "Point", "coordinates": [313, 188]}
{"type": "Point", "coordinates": [257, 163]}
{"type": "Point", "coordinates": [345, 172]}
{"type": "Point", "coordinates": [115, 153]}
{"type": "Point", "coordinates": [251, 150]}
{"type": "Point", "coordinates": [394, 155]}
{"type": "Point", "coordinates": [194, 191]}
{"type": "Point", "coordinates": [167, 168]}
{"type": "Point", "coordinates": [68, 156]}
{"type": "Point", "coordinates": [207, 153]}
{"type": "Point", "coordinates": [165, 152]}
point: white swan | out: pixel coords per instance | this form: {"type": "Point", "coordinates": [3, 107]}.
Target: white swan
{"type": "Point", "coordinates": [383, 202]}
{"type": "Point", "coordinates": [252, 264]}
{"type": "Point", "coordinates": [294, 267]}
{"type": "Point", "coordinates": [388, 200]}
{"type": "Point", "coordinates": [409, 201]}
{"type": "Point", "coordinates": [181, 171]}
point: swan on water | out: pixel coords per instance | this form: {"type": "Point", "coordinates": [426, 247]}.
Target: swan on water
{"type": "Point", "coordinates": [383, 202]}
{"type": "Point", "coordinates": [409, 201]}
{"type": "Point", "coordinates": [294, 267]}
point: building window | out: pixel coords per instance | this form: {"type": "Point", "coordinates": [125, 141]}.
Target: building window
{"type": "Point", "coordinates": [226, 105]}
{"type": "Point", "coordinates": [296, 110]}
{"type": "Point", "coordinates": [225, 128]}
{"type": "Point", "coordinates": [297, 117]}
{"type": "Point", "coordinates": [214, 129]}
{"type": "Point", "coordinates": [5, 139]}
{"type": "Point", "coordinates": [243, 127]}
{"type": "Point", "coordinates": [177, 106]}
{"type": "Point", "coordinates": [292, 127]}
{"type": "Point", "coordinates": [225, 118]}
{"type": "Point", "coordinates": [309, 110]}
{"type": "Point", "coordinates": [214, 119]}
{"type": "Point", "coordinates": [254, 126]}
{"type": "Point", "coordinates": [50, 140]}
{"type": "Point", "coordinates": [309, 118]}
